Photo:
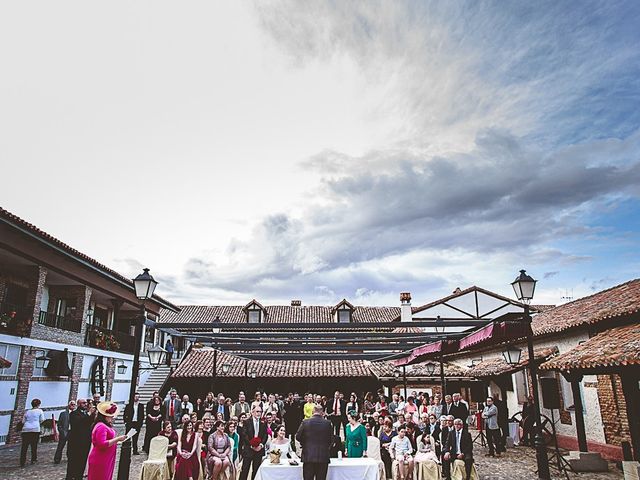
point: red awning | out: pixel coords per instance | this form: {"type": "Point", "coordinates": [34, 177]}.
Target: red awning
{"type": "Point", "coordinates": [425, 351]}
{"type": "Point", "coordinates": [495, 332]}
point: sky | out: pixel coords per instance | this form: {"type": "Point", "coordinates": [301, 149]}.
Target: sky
{"type": "Point", "coordinates": [285, 150]}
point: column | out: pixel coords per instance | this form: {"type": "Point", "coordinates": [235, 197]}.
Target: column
{"type": "Point", "coordinates": [575, 379]}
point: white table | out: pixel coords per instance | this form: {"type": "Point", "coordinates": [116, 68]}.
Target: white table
{"type": "Point", "coordinates": [345, 469]}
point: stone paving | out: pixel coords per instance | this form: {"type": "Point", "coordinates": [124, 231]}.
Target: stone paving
{"type": "Point", "coordinates": [517, 464]}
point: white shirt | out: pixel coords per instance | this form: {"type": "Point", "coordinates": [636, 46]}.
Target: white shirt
{"type": "Point", "coordinates": [32, 420]}
{"type": "Point", "coordinates": [256, 427]}
{"type": "Point", "coordinates": [135, 412]}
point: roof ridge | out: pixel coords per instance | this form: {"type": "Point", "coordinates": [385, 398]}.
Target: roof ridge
{"type": "Point", "coordinates": [600, 292]}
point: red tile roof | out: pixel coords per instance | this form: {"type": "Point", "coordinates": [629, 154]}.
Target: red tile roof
{"type": "Point", "coordinates": [19, 222]}
{"type": "Point", "coordinates": [276, 314]}
{"type": "Point", "coordinates": [199, 364]}
{"type": "Point", "coordinates": [386, 369]}
{"type": "Point", "coordinates": [498, 366]}
{"type": "Point", "coordinates": [617, 301]}
{"type": "Point", "coordinates": [616, 347]}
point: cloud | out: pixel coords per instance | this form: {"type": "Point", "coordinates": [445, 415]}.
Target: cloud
{"type": "Point", "coordinates": [550, 274]}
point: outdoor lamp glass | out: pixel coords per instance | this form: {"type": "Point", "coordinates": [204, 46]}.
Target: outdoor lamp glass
{"type": "Point", "coordinates": [225, 368]}
{"type": "Point", "coordinates": [512, 355]}
{"type": "Point", "coordinates": [439, 325]}
{"type": "Point", "coordinates": [89, 313]}
{"type": "Point", "coordinates": [430, 368]}
{"type": "Point", "coordinates": [156, 355]}
{"type": "Point", "coordinates": [252, 374]}
{"type": "Point", "coordinates": [524, 286]}
{"type": "Point", "coordinates": [396, 373]}
{"type": "Point", "coordinates": [144, 285]}
{"type": "Point", "coordinates": [122, 369]}
{"type": "Point", "coordinates": [42, 361]}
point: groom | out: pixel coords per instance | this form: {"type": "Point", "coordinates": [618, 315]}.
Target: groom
{"type": "Point", "coordinates": [315, 437]}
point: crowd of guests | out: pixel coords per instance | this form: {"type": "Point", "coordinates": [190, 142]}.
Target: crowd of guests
{"type": "Point", "coordinates": [221, 438]}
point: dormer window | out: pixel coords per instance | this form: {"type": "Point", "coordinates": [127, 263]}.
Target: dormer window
{"type": "Point", "coordinates": [255, 312]}
{"type": "Point", "coordinates": [343, 312]}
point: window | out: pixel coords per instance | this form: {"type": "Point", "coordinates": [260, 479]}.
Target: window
{"type": "Point", "coordinates": [344, 316]}
{"type": "Point", "coordinates": [254, 316]}
{"type": "Point", "coordinates": [520, 380]}
{"type": "Point", "coordinates": [11, 353]}
{"type": "Point", "coordinates": [101, 317]}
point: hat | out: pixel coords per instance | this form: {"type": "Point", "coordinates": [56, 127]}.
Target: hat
{"type": "Point", "coordinates": [108, 409]}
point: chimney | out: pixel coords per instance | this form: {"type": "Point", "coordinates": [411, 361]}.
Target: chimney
{"type": "Point", "coordinates": [405, 307]}
{"type": "Point", "coordinates": [296, 303]}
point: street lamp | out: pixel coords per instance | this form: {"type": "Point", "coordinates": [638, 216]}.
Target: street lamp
{"type": "Point", "coordinates": [396, 373]}
{"type": "Point", "coordinates": [430, 368]}
{"type": "Point", "coordinates": [122, 368]}
{"type": "Point", "coordinates": [439, 325]}
{"type": "Point", "coordinates": [253, 374]}
{"type": "Point", "coordinates": [144, 286]}
{"type": "Point", "coordinates": [524, 287]}
{"type": "Point", "coordinates": [225, 368]}
{"type": "Point", "coordinates": [512, 355]}
{"type": "Point", "coordinates": [156, 356]}
{"type": "Point", "coordinates": [42, 361]}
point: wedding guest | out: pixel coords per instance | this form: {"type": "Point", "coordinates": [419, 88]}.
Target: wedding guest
{"type": "Point", "coordinates": [172, 448]}
{"type": "Point", "coordinates": [63, 430]}
{"type": "Point", "coordinates": [386, 435]}
{"type": "Point", "coordinates": [153, 423]}
{"type": "Point", "coordinates": [102, 458]}
{"type": "Point", "coordinates": [134, 418]}
{"type": "Point", "coordinates": [79, 439]}
{"type": "Point", "coordinates": [188, 460]}
{"type": "Point", "coordinates": [401, 451]}
{"type": "Point", "coordinates": [218, 452]}
{"type": "Point", "coordinates": [355, 438]}
{"type": "Point", "coordinates": [31, 421]}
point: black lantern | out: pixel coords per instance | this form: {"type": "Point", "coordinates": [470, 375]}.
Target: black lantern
{"type": "Point", "coordinates": [439, 325]}
{"type": "Point", "coordinates": [524, 286]}
{"type": "Point", "coordinates": [122, 369]}
{"type": "Point", "coordinates": [225, 368]}
{"type": "Point", "coordinates": [512, 355]}
{"type": "Point", "coordinates": [397, 373]}
{"type": "Point", "coordinates": [89, 313]}
{"type": "Point", "coordinates": [252, 374]}
{"type": "Point", "coordinates": [430, 368]}
{"type": "Point", "coordinates": [42, 361]}
{"type": "Point", "coordinates": [144, 285]}
{"type": "Point", "coordinates": [156, 355]}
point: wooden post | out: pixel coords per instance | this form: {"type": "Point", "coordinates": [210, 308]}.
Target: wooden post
{"type": "Point", "coordinates": [631, 390]}
{"type": "Point", "coordinates": [575, 379]}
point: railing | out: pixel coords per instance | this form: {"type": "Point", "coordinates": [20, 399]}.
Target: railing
{"type": "Point", "coordinates": [106, 339]}
{"type": "Point", "coordinates": [59, 321]}
{"type": "Point", "coordinates": [14, 319]}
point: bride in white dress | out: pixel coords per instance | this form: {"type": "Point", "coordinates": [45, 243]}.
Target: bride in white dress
{"type": "Point", "coordinates": [282, 443]}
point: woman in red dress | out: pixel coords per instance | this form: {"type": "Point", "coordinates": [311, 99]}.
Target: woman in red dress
{"type": "Point", "coordinates": [188, 459]}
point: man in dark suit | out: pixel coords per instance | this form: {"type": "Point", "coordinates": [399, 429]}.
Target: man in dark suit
{"type": "Point", "coordinates": [222, 408]}
{"type": "Point", "coordinates": [316, 438]}
{"type": "Point", "coordinates": [292, 417]}
{"type": "Point", "coordinates": [252, 456]}
{"type": "Point", "coordinates": [459, 409]}
{"type": "Point", "coordinates": [337, 412]}
{"type": "Point", "coordinates": [63, 431]}
{"type": "Point", "coordinates": [172, 409]}
{"type": "Point", "coordinates": [133, 418]}
{"type": "Point", "coordinates": [79, 439]}
{"type": "Point", "coordinates": [447, 403]}
{"type": "Point", "coordinates": [459, 446]}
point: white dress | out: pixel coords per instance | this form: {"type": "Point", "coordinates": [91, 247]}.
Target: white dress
{"type": "Point", "coordinates": [284, 448]}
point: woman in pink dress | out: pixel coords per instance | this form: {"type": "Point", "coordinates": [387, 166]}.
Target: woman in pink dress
{"type": "Point", "coordinates": [102, 458]}
{"type": "Point", "coordinates": [188, 459]}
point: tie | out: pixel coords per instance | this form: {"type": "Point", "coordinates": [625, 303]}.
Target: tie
{"type": "Point", "coordinates": [171, 414]}
{"type": "Point", "coordinates": [256, 428]}
{"type": "Point", "coordinates": [336, 407]}
{"type": "Point", "coordinates": [458, 441]}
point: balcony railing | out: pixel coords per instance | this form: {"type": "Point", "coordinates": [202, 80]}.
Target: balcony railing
{"type": "Point", "coordinates": [59, 321]}
{"type": "Point", "coordinates": [15, 319]}
{"type": "Point", "coordinates": [106, 339]}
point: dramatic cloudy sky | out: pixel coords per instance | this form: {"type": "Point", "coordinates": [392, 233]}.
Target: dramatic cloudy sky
{"type": "Point", "coordinates": [321, 150]}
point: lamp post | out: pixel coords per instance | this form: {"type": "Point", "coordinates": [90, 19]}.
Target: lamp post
{"type": "Point", "coordinates": [440, 329]}
{"type": "Point", "coordinates": [144, 285]}
{"type": "Point", "coordinates": [524, 287]}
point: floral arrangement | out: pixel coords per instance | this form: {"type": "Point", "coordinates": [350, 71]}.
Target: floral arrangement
{"type": "Point", "coordinates": [274, 455]}
{"type": "Point", "coordinates": [106, 341]}
{"type": "Point", "coordinates": [255, 442]}
{"type": "Point", "coordinates": [6, 319]}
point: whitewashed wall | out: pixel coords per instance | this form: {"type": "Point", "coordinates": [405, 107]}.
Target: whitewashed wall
{"type": "Point", "coordinates": [51, 394]}
{"type": "Point", "coordinates": [5, 420]}
{"type": "Point", "coordinates": [8, 389]}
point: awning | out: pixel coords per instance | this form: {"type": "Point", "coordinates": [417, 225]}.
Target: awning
{"type": "Point", "coordinates": [495, 332]}
{"type": "Point", "coordinates": [427, 351]}
{"type": "Point", "coordinates": [4, 363]}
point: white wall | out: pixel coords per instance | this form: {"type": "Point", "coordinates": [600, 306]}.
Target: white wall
{"type": "Point", "coordinates": [84, 390]}
{"type": "Point", "coordinates": [51, 394]}
{"type": "Point", "coordinates": [8, 399]}
{"type": "Point", "coordinates": [120, 392]}
{"type": "Point", "coordinates": [5, 420]}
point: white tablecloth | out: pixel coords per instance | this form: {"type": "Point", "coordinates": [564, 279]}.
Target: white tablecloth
{"type": "Point", "coordinates": [345, 469]}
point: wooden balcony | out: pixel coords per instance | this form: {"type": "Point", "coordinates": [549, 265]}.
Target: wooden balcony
{"type": "Point", "coordinates": [106, 339]}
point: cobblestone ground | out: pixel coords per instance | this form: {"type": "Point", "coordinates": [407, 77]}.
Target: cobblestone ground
{"type": "Point", "coordinates": [517, 464]}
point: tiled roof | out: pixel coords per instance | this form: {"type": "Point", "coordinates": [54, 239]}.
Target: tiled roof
{"type": "Point", "coordinates": [408, 330]}
{"type": "Point", "coordinates": [276, 314]}
{"type": "Point", "coordinates": [617, 301]}
{"type": "Point", "coordinates": [612, 348]}
{"type": "Point", "coordinates": [498, 366]}
{"type": "Point", "coordinates": [199, 363]}
{"type": "Point", "coordinates": [70, 250]}
{"type": "Point", "coordinates": [386, 369]}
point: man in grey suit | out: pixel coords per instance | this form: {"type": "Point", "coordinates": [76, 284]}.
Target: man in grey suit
{"type": "Point", "coordinates": [315, 436]}
{"type": "Point", "coordinates": [63, 430]}
{"type": "Point", "coordinates": [172, 410]}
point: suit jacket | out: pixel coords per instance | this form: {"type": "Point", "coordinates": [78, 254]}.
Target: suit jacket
{"type": "Point", "coordinates": [466, 444]}
{"type": "Point", "coordinates": [81, 425]}
{"type": "Point", "coordinates": [226, 412]}
{"type": "Point", "coordinates": [248, 432]}
{"type": "Point", "coordinates": [176, 409]}
{"type": "Point", "coordinates": [316, 436]}
{"type": "Point", "coordinates": [128, 415]}
{"type": "Point", "coordinates": [63, 422]}
{"type": "Point", "coordinates": [446, 408]}
{"type": "Point", "coordinates": [461, 411]}
{"type": "Point", "coordinates": [238, 409]}
{"type": "Point", "coordinates": [342, 408]}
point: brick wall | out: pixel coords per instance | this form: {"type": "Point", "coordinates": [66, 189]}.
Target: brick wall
{"type": "Point", "coordinates": [76, 373]}
{"type": "Point", "coordinates": [109, 376]}
{"type": "Point", "coordinates": [25, 372]}
{"type": "Point", "coordinates": [613, 409]}
{"type": "Point", "coordinates": [81, 296]}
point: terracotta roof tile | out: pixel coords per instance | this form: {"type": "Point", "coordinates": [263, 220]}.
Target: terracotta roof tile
{"type": "Point", "coordinates": [276, 314]}
{"type": "Point", "coordinates": [617, 301]}
{"type": "Point", "coordinates": [612, 348]}
{"type": "Point", "coordinates": [386, 369]}
{"type": "Point", "coordinates": [199, 364]}
{"type": "Point", "coordinates": [498, 366]}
